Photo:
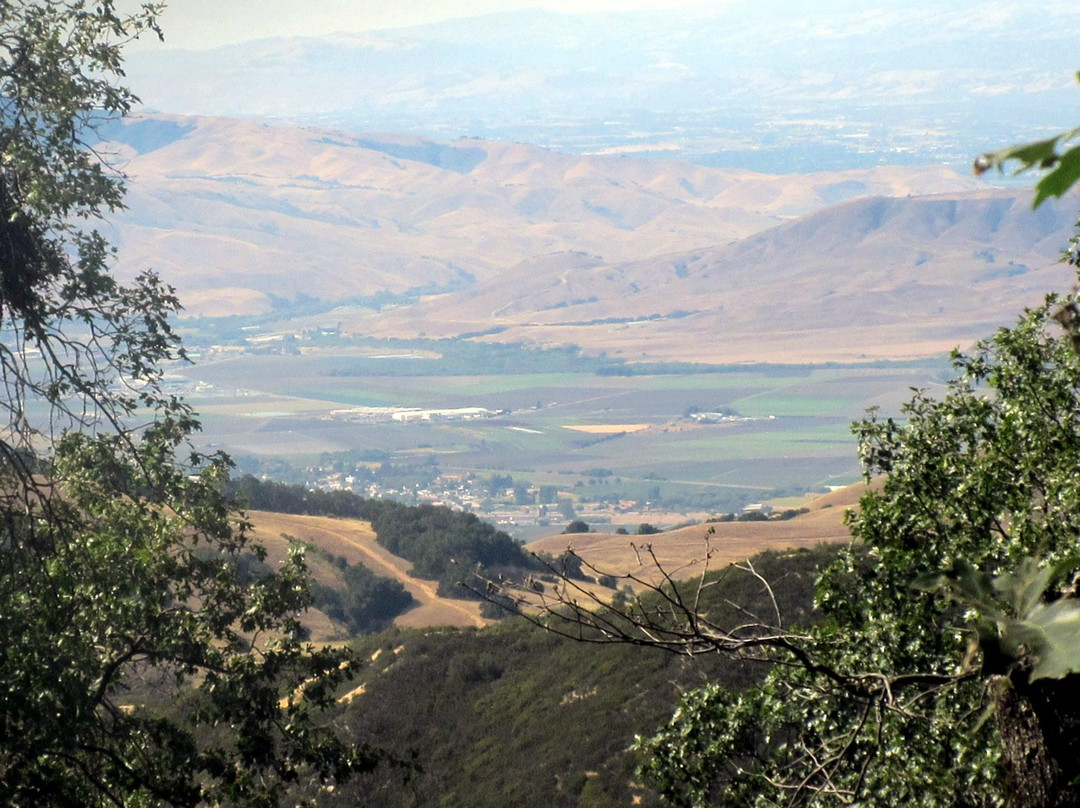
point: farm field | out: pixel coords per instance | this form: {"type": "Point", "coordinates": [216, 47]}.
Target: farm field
{"type": "Point", "coordinates": [654, 436]}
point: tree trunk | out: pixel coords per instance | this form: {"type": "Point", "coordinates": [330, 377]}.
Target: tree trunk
{"type": "Point", "coordinates": [1039, 724]}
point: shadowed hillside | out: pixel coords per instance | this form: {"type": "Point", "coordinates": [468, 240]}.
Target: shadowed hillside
{"type": "Point", "coordinates": [245, 217]}
{"type": "Point", "coordinates": [873, 277]}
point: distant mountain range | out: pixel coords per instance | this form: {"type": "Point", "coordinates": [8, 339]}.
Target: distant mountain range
{"type": "Point", "coordinates": [770, 85]}
{"type": "Point", "coordinates": [643, 259]}
{"type": "Point", "coordinates": [872, 278]}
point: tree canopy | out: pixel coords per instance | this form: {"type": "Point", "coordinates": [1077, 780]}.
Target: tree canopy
{"type": "Point", "coordinates": [940, 663]}
{"type": "Point", "coordinates": [896, 700]}
{"type": "Point", "coordinates": [139, 667]}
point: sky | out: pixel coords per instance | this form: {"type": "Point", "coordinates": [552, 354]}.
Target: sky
{"type": "Point", "coordinates": [196, 24]}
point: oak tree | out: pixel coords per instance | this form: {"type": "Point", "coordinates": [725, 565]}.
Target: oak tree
{"type": "Point", "coordinates": [138, 665]}
{"type": "Point", "coordinates": [940, 664]}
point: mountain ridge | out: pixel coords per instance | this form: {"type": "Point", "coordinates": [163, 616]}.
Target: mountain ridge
{"type": "Point", "coordinates": [244, 216]}
{"type": "Point", "coordinates": [779, 86]}
{"type": "Point", "coordinates": [872, 277]}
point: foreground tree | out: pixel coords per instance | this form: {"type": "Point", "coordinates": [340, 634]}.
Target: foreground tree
{"type": "Point", "coordinates": [943, 662]}
{"type": "Point", "coordinates": [139, 665]}
{"type": "Point", "coordinates": [980, 505]}
{"type": "Point", "coordinates": [941, 665]}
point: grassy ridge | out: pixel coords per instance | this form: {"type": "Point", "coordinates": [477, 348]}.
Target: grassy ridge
{"type": "Point", "coordinates": [354, 540]}
{"type": "Point", "coordinates": [514, 716]}
{"type": "Point", "coordinates": [444, 545]}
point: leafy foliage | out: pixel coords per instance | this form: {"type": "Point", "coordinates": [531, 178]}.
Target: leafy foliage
{"type": "Point", "coordinates": [74, 338]}
{"type": "Point", "coordinates": [446, 545]}
{"type": "Point", "coordinates": [1055, 156]}
{"type": "Point", "coordinates": [108, 606]}
{"type": "Point", "coordinates": [122, 584]}
{"type": "Point", "coordinates": [884, 700]}
{"type": "Point", "coordinates": [1016, 625]}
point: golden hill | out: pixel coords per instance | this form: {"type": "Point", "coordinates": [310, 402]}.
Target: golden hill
{"type": "Point", "coordinates": [238, 213]}
{"type": "Point", "coordinates": [355, 540]}
{"type": "Point", "coordinates": [679, 552]}
{"type": "Point", "coordinates": [645, 260]}
{"type": "Point", "coordinates": [682, 553]}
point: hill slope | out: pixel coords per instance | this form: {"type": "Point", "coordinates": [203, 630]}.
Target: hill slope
{"type": "Point", "coordinates": [512, 715]}
{"type": "Point", "coordinates": [240, 215]}
{"type": "Point", "coordinates": [681, 553]}
{"type": "Point", "coordinates": [402, 236]}
{"type": "Point", "coordinates": [873, 277]}
{"type": "Point", "coordinates": [354, 540]}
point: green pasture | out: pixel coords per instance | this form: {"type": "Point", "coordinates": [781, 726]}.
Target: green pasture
{"type": "Point", "coordinates": [796, 402]}
{"type": "Point", "coordinates": [799, 441]}
{"type": "Point", "coordinates": [285, 413]}
{"type": "Point", "coordinates": [441, 387]}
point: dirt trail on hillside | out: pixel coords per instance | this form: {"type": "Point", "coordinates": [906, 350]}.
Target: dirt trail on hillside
{"type": "Point", "coordinates": [355, 540]}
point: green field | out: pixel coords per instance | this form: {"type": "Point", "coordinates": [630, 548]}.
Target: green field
{"type": "Point", "coordinates": [794, 432]}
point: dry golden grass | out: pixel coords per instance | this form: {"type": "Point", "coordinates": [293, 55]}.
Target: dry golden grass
{"type": "Point", "coordinates": [355, 541]}
{"type": "Point", "coordinates": [681, 553]}
{"type": "Point", "coordinates": [286, 224]}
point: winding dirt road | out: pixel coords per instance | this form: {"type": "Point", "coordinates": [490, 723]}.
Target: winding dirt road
{"type": "Point", "coordinates": [355, 540]}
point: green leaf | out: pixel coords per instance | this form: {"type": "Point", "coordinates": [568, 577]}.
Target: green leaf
{"type": "Point", "coordinates": [1039, 153]}
{"type": "Point", "coordinates": [974, 588]}
{"type": "Point", "coordinates": [1055, 639]}
{"type": "Point", "coordinates": [930, 582]}
{"type": "Point", "coordinates": [1043, 155]}
{"type": "Point", "coordinates": [1026, 586]}
{"type": "Point", "coordinates": [1061, 179]}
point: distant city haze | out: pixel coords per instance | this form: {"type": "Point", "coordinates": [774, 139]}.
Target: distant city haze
{"type": "Point", "coordinates": [198, 24]}
{"type": "Point", "coordinates": [777, 86]}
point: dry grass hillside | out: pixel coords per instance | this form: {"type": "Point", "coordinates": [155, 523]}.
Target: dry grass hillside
{"type": "Point", "coordinates": [354, 539]}
{"type": "Point", "coordinates": [642, 259]}
{"type": "Point", "coordinates": [238, 213]}
{"type": "Point", "coordinates": [682, 553]}
{"type": "Point", "coordinates": [871, 278]}
{"type": "Point", "coordinates": [679, 552]}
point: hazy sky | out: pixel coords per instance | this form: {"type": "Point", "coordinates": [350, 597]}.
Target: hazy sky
{"type": "Point", "coordinates": [208, 23]}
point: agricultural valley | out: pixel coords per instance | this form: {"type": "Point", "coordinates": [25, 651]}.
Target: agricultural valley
{"type": "Point", "coordinates": [541, 408]}
{"type": "Point", "coordinates": [536, 336]}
